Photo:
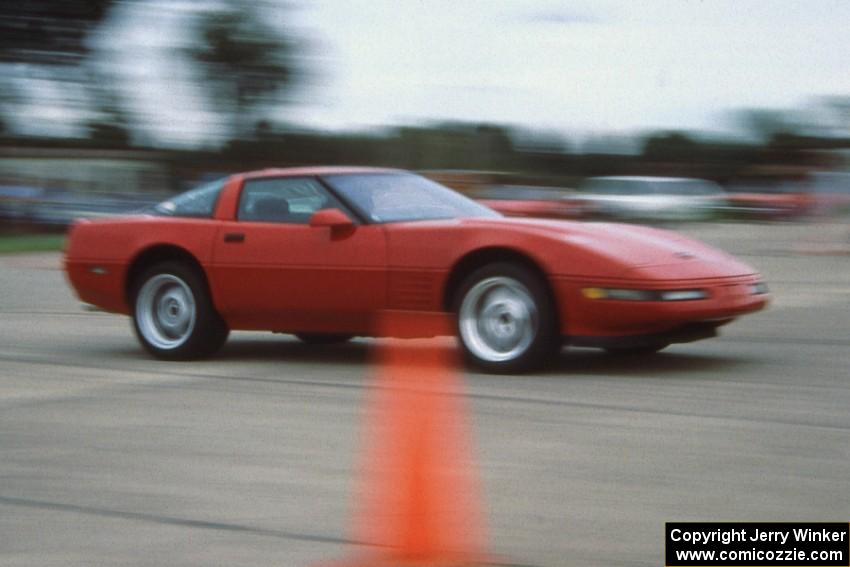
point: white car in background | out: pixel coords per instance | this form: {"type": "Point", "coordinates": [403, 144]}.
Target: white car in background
{"type": "Point", "coordinates": [652, 198]}
{"type": "Point", "coordinates": [829, 192]}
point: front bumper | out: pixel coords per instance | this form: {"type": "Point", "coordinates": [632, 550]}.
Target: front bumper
{"type": "Point", "coordinates": [728, 298]}
{"type": "Point", "coordinates": [687, 333]}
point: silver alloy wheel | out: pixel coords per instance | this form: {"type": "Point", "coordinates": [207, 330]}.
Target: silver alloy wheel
{"type": "Point", "coordinates": [498, 319]}
{"type": "Point", "coordinates": [165, 311]}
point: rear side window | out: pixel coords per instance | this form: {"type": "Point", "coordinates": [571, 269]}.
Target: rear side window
{"type": "Point", "coordinates": [198, 202]}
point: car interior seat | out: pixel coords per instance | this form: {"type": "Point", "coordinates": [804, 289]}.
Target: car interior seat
{"type": "Point", "coordinates": [270, 209]}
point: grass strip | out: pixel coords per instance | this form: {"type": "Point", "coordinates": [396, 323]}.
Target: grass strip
{"type": "Point", "coordinates": [31, 243]}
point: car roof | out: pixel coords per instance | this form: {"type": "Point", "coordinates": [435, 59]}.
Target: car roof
{"type": "Point", "coordinates": [317, 170]}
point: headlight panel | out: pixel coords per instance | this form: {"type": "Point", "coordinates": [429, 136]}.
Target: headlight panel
{"type": "Point", "coordinates": [683, 295]}
{"type": "Point", "coordinates": [644, 294]}
{"type": "Point", "coordinates": [758, 288]}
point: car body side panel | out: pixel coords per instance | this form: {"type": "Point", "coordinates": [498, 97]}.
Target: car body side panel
{"type": "Point", "coordinates": [291, 277]}
{"type": "Point", "coordinates": [298, 278]}
{"type": "Point", "coordinates": [552, 209]}
{"type": "Point", "coordinates": [421, 256]}
{"type": "Point", "coordinates": [100, 253]}
{"type": "Point", "coordinates": [98, 282]}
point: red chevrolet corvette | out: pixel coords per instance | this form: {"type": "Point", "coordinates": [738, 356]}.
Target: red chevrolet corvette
{"type": "Point", "coordinates": [321, 252]}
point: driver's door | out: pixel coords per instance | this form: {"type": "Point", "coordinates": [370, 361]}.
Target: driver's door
{"type": "Point", "coordinates": [272, 270]}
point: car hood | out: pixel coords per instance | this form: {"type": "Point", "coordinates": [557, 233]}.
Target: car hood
{"type": "Point", "coordinates": [632, 246]}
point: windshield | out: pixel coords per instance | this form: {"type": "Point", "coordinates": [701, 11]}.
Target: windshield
{"type": "Point", "coordinates": [397, 197]}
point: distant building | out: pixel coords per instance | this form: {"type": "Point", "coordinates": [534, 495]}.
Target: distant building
{"type": "Point", "coordinates": [85, 170]}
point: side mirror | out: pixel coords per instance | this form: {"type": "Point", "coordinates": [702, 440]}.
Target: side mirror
{"type": "Point", "coordinates": [334, 219]}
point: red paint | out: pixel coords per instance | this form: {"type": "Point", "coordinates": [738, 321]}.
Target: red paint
{"type": "Point", "coordinates": [302, 278]}
{"type": "Point", "coordinates": [538, 208]}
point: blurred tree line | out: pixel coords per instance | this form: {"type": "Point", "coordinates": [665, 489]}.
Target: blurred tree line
{"type": "Point", "coordinates": [250, 69]}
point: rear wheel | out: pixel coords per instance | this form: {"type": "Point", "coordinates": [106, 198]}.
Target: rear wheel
{"type": "Point", "coordinates": [323, 338]}
{"type": "Point", "coordinates": [173, 315]}
{"type": "Point", "coordinates": [506, 319]}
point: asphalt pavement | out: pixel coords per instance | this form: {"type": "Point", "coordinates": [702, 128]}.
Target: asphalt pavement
{"type": "Point", "coordinates": [108, 457]}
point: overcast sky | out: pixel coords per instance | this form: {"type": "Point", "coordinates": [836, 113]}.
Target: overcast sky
{"type": "Point", "coordinates": [572, 66]}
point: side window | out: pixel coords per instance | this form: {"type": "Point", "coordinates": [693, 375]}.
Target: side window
{"type": "Point", "coordinates": [199, 202]}
{"type": "Point", "coordinates": [283, 199]}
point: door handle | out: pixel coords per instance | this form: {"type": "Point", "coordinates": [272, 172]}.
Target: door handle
{"type": "Point", "coordinates": [234, 237]}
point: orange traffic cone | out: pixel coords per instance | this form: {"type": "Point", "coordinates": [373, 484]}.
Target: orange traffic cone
{"type": "Point", "coordinates": [418, 502]}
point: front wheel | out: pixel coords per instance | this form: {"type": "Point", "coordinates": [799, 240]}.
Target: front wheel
{"type": "Point", "coordinates": [506, 319]}
{"type": "Point", "coordinates": [173, 315]}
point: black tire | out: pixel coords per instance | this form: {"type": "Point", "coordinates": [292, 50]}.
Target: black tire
{"type": "Point", "coordinates": [506, 319]}
{"type": "Point", "coordinates": [645, 350]}
{"type": "Point", "coordinates": [323, 338]}
{"type": "Point", "coordinates": [173, 314]}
